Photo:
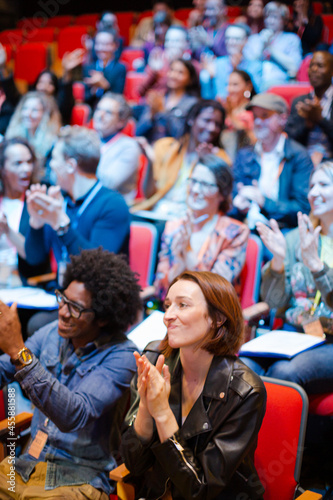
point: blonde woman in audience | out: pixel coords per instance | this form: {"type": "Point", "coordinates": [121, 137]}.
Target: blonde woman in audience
{"type": "Point", "coordinates": [37, 119]}
{"type": "Point", "coordinates": [299, 279]}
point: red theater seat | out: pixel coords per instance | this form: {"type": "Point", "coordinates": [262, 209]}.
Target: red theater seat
{"type": "Point", "coordinates": [25, 54]}
{"type": "Point", "coordinates": [70, 38]}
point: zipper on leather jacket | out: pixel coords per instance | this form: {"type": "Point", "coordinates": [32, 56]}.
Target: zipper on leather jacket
{"type": "Point", "coordinates": [181, 449]}
{"type": "Point", "coordinates": [165, 489]}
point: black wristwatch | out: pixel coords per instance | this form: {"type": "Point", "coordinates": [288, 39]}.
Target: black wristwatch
{"type": "Point", "coordinates": [23, 358]}
{"type": "Point", "coordinates": [63, 228]}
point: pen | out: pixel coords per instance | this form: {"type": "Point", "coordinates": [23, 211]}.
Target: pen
{"type": "Point", "coordinates": [315, 303]}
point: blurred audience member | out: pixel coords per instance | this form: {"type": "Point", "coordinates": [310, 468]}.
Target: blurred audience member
{"type": "Point", "coordinates": [176, 46]}
{"type": "Point", "coordinates": [280, 52]}
{"type": "Point", "coordinates": [107, 21]}
{"type": "Point", "coordinates": [106, 73]}
{"type": "Point", "coordinates": [18, 167]}
{"type": "Point", "coordinates": [9, 95]}
{"type": "Point", "coordinates": [86, 215]}
{"type": "Point", "coordinates": [196, 15]}
{"type": "Point", "coordinates": [299, 279]}
{"type": "Point", "coordinates": [311, 117]}
{"type": "Point", "coordinates": [205, 239]}
{"type": "Point", "coordinates": [37, 119]}
{"type": "Point", "coordinates": [118, 166]}
{"type": "Point", "coordinates": [172, 160]}
{"type": "Point", "coordinates": [210, 36]}
{"type": "Point", "coordinates": [271, 178]}
{"type": "Point", "coordinates": [165, 114]}
{"type": "Point", "coordinates": [162, 22]}
{"type": "Point", "coordinates": [254, 17]}
{"type": "Point", "coordinates": [238, 132]}
{"type": "Point", "coordinates": [145, 29]}
{"type": "Point", "coordinates": [60, 89]}
{"type": "Point", "coordinates": [215, 75]}
{"type": "Point", "coordinates": [307, 25]}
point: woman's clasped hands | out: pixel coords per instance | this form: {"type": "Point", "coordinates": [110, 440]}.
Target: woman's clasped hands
{"type": "Point", "coordinates": [154, 390]}
{"type": "Point", "coordinates": [153, 385]}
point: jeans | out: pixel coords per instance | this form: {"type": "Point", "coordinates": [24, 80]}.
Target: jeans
{"type": "Point", "coordinates": [312, 369]}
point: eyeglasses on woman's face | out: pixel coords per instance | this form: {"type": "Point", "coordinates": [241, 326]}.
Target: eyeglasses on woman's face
{"type": "Point", "coordinates": [206, 188]}
{"type": "Point", "coordinates": [75, 310]}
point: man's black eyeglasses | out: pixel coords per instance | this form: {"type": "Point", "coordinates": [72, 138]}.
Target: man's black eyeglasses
{"type": "Point", "coordinates": [75, 310]}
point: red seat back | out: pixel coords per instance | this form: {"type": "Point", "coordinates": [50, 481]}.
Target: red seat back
{"type": "Point", "coordinates": [143, 251]}
{"type": "Point", "coordinates": [12, 37]}
{"type": "Point", "coordinates": [328, 24]}
{"type": "Point", "coordinates": [133, 80]}
{"type": "Point", "coordinates": [70, 38]}
{"type": "Point", "coordinates": [289, 92]}
{"type": "Point", "coordinates": [302, 75]}
{"type": "Point", "coordinates": [41, 35]}
{"type": "Point", "coordinates": [80, 114]}
{"type": "Point", "coordinates": [59, 21]}
{"type": "Point", "coordinates": [25, 54]}
{"type": "Point", "coordinates": [250, 275]}
{"type": "Point", "coordinates": [87, 19]}
{"type": "Point", "coordinates": [132, 58]}
{"type": "Point", "coordinates": [125, 21]}
{"type": "Point", "coordinates": [278, 457]}
{"type": "Point", "coordinates": [321, 404]}
{"type": "Point", "coordinates": [182, 14]}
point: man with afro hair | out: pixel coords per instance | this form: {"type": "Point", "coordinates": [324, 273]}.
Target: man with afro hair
{"type": "Point", "coordinates": [76, 371]}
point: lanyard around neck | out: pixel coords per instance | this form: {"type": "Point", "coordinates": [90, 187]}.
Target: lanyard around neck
{"type": "Point", "coordinates": [74, 223]}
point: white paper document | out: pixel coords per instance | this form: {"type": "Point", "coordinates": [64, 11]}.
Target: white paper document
{"type": "Point", "coordinates": [29, 297]}
{"type": "Point", "coordinates": [152, 328]}
{"type": "Point", "coordinates": [279, 344]}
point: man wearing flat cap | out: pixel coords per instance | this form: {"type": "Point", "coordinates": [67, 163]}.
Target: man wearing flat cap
{"type": "Point", "coordinates": [271, 178]}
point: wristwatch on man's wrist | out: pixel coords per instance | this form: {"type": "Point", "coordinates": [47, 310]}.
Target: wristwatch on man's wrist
{"type": "Point", "coordinates": [23, 358]}
{"type": "Point", "coordinates": [63, 228]}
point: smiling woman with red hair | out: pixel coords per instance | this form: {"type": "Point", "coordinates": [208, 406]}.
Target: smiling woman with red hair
{"type": "Point", "coordinates": [196, 409]}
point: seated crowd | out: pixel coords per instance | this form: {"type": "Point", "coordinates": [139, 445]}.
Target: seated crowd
{"type": "Point", "coordinates": [209, 155]}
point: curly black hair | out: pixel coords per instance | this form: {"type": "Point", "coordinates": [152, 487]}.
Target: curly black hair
{"type": "Point", "coordinates": [113, 285]}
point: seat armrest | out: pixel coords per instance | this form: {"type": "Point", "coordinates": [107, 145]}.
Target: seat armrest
{"type": "Point", "coordinates": [124, 491]}
{"type": "Point", "coordinates": [310, 495]}
{"type": "Point", "coordinates": [22, 421]}
{"type": "Point", "coordinates": [119, 473]}
{"type": "Point", "coordinates": [42, 278]}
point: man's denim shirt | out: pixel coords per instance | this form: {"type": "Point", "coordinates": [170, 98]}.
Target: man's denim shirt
{"type": "Point", "coordinates": [77, 395]}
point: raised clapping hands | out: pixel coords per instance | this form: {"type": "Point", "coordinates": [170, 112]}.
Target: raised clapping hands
{"type": "Point", "coordinates": [310, 110]}
{"type": "Point", "coordinates": [97, 80]}
{"type": "Point", "coordinates": [309, 237]}
{"type": "Point", "coordinates": [4, 228]}
{"type": "Point", "coordinates": [45, 206]}
{"type": "Point", "coordinates": [154, 390]}
{"type": "Point", "coordinates": [153, 385]}
{"type": "Point", "coordinates": [11, 340]}
{"type": "Point", "coordinates": [274, 240]}
{"type": "Point", "coordinates": [181, 238]}
{"type": "Point", "coordinates": [246, 195]}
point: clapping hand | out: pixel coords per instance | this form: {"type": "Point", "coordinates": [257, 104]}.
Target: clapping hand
{"type": "Point", "coordinates": [97, 80]}
{"type": "Point", "coordinates": [310, 110]}
{"type": "Point", "coordinates": [180, 239]}
{"type": "Point", "coordinates": [274, 240]}
{"type": "Point", "coordinates": [309, 237]}
{"type": "Point", "coordinates": [45, 207]}
{"type": "Point", "coordinates": [4, 228]}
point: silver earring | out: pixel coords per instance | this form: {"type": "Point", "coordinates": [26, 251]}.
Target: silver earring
{"type": "Point", "coordinates": [247, 94]}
